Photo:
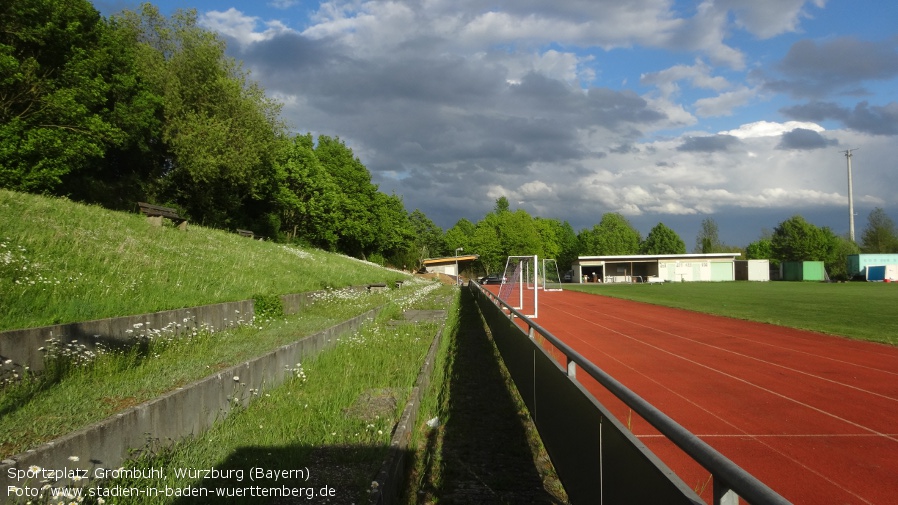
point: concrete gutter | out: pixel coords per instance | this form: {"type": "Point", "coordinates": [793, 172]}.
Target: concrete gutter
{"type": "Point", "coordinates": [385, 488]}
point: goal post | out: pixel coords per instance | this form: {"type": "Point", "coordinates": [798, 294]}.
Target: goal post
{"type": "Point", "coordinates": [520, 284]}
{"type": "Point", "coordinates": [550, 277]}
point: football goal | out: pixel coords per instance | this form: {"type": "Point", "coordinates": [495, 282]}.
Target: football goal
{"type": "Point", "coordinates": [550, 277]}
{"type": "Point", "coordinates": [524, 277]}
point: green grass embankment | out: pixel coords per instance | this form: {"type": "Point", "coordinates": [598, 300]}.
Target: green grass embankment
{"type": "Point", "coordinates": [64, 262]}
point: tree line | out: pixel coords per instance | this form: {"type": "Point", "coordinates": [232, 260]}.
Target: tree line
{"type": "Point", "coordinates": [502, 233]}
{"type": "Point", "coordinates": [143, 107]}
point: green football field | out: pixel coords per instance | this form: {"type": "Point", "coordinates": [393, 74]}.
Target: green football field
{"type": "Point", "coordinates": [861, 310]}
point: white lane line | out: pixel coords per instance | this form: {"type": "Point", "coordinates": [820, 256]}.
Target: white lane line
{"type": "Point", "coordinates": [739, 379]}
{"type": "Point", "coordinates": [743, 355]}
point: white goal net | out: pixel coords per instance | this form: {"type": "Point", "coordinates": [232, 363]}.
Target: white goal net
{"type": "Point", "coordinates": [518, 280]}
{"type": "Point", "coordinates": [550, 277]}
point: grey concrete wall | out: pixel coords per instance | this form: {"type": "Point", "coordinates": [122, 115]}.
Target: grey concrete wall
{"type": "Point", "coordinates": [294, 302]}
{"type": "Point", "coordinates": [186, 411]}
{"type": "Point", "coordinates": [23, 346]}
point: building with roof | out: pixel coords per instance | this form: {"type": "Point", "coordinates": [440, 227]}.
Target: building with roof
{"type": "Point", "coordinates": [449, 265]}
{"type": "Point", "coordinates": [655, 268]}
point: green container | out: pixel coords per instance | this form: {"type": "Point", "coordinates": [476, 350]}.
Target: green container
{"type": "Point", "coordinates": [803, 271]}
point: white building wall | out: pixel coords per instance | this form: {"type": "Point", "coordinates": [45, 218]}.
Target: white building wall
{"type": "Point", "coordinates": [684, 271]}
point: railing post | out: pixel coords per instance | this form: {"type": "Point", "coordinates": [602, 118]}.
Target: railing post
{"type": "Point", "coordinates": [723, 495]}
{"type": "Point", "coordinates": [571, 368]}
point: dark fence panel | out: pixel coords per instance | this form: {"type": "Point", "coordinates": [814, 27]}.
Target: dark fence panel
{"type": "Point", "coordinates": [598, 460]}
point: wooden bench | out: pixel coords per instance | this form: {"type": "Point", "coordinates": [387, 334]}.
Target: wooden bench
{"type": "Point", "coordinates": [246, 233]}
{"type": "Point", "coordinates": [155, 213]}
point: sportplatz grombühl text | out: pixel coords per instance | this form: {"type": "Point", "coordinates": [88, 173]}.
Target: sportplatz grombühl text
{"type": "Point", "coordinates": [43, 476]}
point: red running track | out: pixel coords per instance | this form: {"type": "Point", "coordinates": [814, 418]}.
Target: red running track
{"type": "Point", "coordinates": [815, 417]}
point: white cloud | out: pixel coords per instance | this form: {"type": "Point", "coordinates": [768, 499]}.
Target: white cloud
{"type": "Point", "coordinates": [698, 75]}
{"type": "Point", "coordinates": [770, 129]}
{"type": "Point", "coordinates": [724, 103]}
{"type": "Point", "coordinates": [768, 18]}
{"type": "Point", "coordinates": [240, 27]}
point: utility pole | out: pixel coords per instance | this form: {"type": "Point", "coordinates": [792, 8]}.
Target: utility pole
{"type": "Point", "coordinates": [850, 196]}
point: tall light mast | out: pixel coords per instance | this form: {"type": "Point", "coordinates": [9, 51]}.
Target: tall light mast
{"type": "Point", "coordinates": [850, 196]}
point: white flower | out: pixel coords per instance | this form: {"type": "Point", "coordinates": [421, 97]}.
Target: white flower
{"type": "Point", "coordinates": [74, 458]}
{"type": "Point", "coordinates": [236, 378]}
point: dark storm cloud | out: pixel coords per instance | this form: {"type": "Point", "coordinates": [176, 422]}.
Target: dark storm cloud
{"type": "Point", "coordinates": [710, 144]}
{"type": "Point", "coordinates": [804, 139]}
{"type": "Point", "coordinates": [876, 120]}
{"type": "Point", "coordinates": [841, 65]}
{"type": "Point", "coordinates": [416, 109]}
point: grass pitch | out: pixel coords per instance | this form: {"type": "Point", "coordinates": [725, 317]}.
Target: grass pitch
{"type": "Point", "coordinates": [859, 310]}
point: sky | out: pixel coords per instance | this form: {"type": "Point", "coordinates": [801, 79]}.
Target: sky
{"type": "Point", "coordinates": [662, 110]}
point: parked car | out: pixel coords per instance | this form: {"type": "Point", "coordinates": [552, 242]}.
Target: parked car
{"type": "Point", "coordinates": [491, 279]}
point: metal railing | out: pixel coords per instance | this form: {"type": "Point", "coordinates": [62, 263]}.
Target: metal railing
{"type": "Point", "coordinates": [730, 481]}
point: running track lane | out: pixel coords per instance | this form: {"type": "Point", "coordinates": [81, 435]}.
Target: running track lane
{"type": "Point", "coordinates": [813, 416]}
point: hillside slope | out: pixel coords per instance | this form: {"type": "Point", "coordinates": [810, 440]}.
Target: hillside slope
{"type": "Point", "coordinates": [63, 262]}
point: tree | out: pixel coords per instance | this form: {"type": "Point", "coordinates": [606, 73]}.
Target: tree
{"type": "Point", "coordinates": [570, 246]}
{"type": "Point", "coordinates": [837, 262]}
{"type": "Point", "coordinates": [394, 229]}
{"type": "Point", "coordinates": [761, 249]}
{"type": "Point", "coordinates": [55, 108]}
{"type": "Point", "coordinates": [487, 244]}
{"type": "Point", "coordinates": [880, 235]}
{"type": "Point", "coordinates": [504, 233]}
{"type": "Point", "coordinates": [612, 236]}
{"type": "Point", "coordinates": [460, 235]}
{"type": "Point", "coordinates": [501, 205]}
{"type": "Point", "coordinates": [220, 134]}
{"type": "Point", "coordinates": [427, 240]}
{"type": "Point", "coordinates": [357, 225]}
{"type": "Point", "coordinates": [662, 240]}
{"type": "Point", "coordinates": [798, 240]}
{"type": "Point", "coordinates": [708, 238]}
{"type": "Point", "coordinates": [308, 197]}
{"type": "Point", "coordinates": [519, 235]}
